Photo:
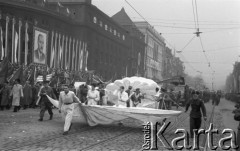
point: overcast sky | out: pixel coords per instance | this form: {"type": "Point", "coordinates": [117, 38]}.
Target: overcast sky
{"type": "Point", "coordinates": [219, 22]}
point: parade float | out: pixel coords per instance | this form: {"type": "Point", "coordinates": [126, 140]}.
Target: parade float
{"type": "Point", "coordinates": [95, 114]}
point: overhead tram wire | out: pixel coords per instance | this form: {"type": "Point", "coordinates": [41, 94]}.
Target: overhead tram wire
{"type": "Point", "coordinates": [135, 10]}
{"type": "Point", "coordinates": [165, 39]}
{"type": "Point", "coordinates": [205, 53]}
{"type": "Point", "coordinates": [217, 50]}
{"type": "Point", "coordinates": [194, 14]}
{"type": "Point", "coordinates": [187, 44]}
{"type": "Point", "coordinates": [198, 35]}
{"type": "Point", "coordinates": [167, 21]}
{"type": "Point", "coordinates": [188, 63]}
{"type": "Point", "coordinates": [197, 14]}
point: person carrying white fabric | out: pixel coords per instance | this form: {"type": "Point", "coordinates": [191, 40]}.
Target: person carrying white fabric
{"type": "Point", "coordinates": [93, 96]}
{"type": "Point", "coordinates": [66, 107]}
{"type": "Point", "coordinates": [122, 97]}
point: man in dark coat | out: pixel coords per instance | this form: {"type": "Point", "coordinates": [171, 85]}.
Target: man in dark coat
{"type": "Point", "coordinates": [129, 91]}
{"type": "Point", "coordinates": [45, 104]}
{"type": "Point", "coordinates": [197, 106]}
{"type": "Point", "coordinates": [101, 93]}
{"type": "Point", "coordinates": [5, 92]}
{"type": "Point", "coordinates": [27, 95]}
{"type": "Point", "coordinates": [236, 113]}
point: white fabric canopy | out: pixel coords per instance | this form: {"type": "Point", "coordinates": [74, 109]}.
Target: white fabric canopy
{"type": "Point", "coordinates": [94, 115]}
{"type": "Point", "coordinates": [146, 86]}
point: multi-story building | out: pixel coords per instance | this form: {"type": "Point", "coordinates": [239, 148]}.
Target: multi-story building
{"type": "Point", "coordinates": [155, 45]}
{"type": "Point", "coordinates": [136, 42]}
{"type": "Point", "coordinates": [68, 35]}
{"type": "Point", "coordinates": [172, 66]}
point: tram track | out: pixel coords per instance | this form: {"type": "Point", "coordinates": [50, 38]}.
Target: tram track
{"type": "Point", "coordinates": [125, 131]}
{"type": "Point", "coordinates": [52, 137]}
{"type": "Point", "coordinates": [122, 132]}
{"type": "Point", "coordinates": [205, 143]}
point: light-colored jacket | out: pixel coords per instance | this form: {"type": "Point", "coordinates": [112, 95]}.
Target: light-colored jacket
{"type": "Point", "coordinates": [17, 93]}
{"type": "Point", "coordinates": [122, 98]}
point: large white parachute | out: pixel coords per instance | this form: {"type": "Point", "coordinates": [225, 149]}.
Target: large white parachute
{"type": "Point", "coordinates": [146, 86]}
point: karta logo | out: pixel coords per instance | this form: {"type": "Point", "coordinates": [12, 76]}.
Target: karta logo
{"type": "Point", "coordinates": [152, 135]}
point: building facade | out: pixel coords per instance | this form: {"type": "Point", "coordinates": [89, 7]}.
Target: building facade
{"type": "Point", "coordinates": [71, 35]}
{"type": "Point", "coordinates": [172, 65]}
{"type": "Point", "coordinates": [155, 45]}
{"type": "Point", "coordinates": [136, 42]}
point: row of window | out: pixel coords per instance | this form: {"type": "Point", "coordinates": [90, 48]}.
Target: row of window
{"type": "Point", "coordinates": [107, 28]}
{"type": "Point", "coordinates": [153, 64]}
{"type": "Point", "coordinates": [153, 73]}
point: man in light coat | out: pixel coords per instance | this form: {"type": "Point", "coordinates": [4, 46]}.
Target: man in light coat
{"type": "Point", "coordinates": [122, 97]}
{"type": "Point", "coordinates": [66, 107]}
{"type": "Point", "coordinates": [17, 93]}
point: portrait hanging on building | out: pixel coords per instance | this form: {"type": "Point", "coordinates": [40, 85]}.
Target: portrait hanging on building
{"type": "Point", "coordinates": [40, 46]}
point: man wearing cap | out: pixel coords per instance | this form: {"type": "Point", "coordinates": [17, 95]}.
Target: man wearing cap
{"type": "Point", "coordinates": [66, 106]}
{"type": "Point", "coordinates": [45, 104]}
{"type": "Point", "coordinates": [197, 106]}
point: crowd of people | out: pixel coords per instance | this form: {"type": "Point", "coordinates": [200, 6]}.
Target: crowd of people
{"type": "Point", "coordinates": [25, 96]}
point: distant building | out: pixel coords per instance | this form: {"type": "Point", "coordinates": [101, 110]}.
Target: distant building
{"type": "Point", "coordinates": [136, 43]}
{"type": "Point", "coordinates": [172, 66]}
{"type": "Point", "coordinates": [155, 45]}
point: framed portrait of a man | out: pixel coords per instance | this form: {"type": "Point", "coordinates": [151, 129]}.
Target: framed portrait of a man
{"type": "Point", "coordinates": [40, 46]}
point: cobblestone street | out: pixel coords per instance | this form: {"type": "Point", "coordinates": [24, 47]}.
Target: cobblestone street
{"type": "Point", "coordinates": [22, 132]}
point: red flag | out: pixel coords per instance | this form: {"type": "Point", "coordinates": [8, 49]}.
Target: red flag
{"type": "Point", "coordinates": [18, 75]}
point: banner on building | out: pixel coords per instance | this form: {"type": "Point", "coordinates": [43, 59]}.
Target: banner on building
{"type": "Point", "coordinates": [40, 46]}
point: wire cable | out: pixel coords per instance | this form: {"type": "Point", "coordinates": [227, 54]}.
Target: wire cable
{"type": "Point", "coordinates": [135, 10]}
{"type": "Point", "coordinates": [197, 13]}
{"type": "Point", "coordinates": [194, 14]}
{"type": "Point", "coordinates": [205, 53]}
{"type": "Point", "coordinates": [187, 43]}
{"type": "Point", "coordinates": [220, 49]}
{"type": "Point", "coordinates": [190, 21]}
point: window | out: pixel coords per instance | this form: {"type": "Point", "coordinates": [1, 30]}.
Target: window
{"type": "Point", "coordinates": [123, 37]}
{"type": "Point", "coordinates": [106, 27]}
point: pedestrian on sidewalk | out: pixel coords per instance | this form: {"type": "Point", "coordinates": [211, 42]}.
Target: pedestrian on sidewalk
{"type": "Point", "coordinates": [45, 103]}
{"type": "Point", "coordinates": [197, 106]}
{"type": "Point", "coordinates": [66, 107]}
{"type": "Point", "coordinates": [17, 95]}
